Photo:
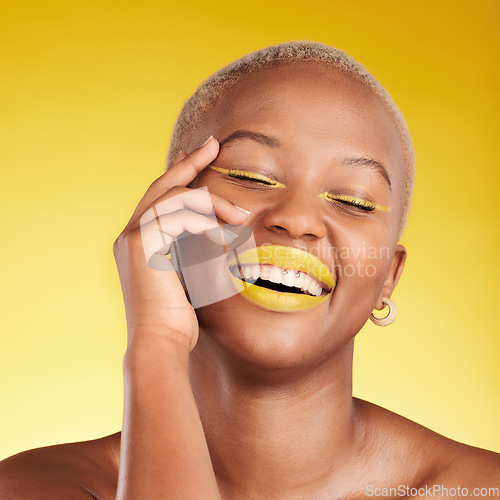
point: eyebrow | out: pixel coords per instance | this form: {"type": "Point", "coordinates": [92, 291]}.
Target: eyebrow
{"type": "Point", "coordinates": [272, 142]}
{"type": "Point", "coordinates": [373, 164]}
{"type": "Point", "coordinates": [253, 136]}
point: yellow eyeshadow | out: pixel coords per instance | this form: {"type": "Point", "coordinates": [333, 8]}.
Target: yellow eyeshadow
{"type": "Point", "coordinates": [347, 199]}
{"type": "Point", "coordinates": [353, 200]}
{"type": "Point", "coordinates": [239, 174]}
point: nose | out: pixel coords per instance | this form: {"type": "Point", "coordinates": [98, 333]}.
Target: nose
{"type": "Point", "coordinates": [296, 214]}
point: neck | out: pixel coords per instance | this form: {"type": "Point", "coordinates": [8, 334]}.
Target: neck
{"type": "Point", "coordinates": [274, 432]}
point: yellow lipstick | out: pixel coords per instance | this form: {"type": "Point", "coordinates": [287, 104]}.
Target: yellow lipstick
{"type": "Point", "coordinates": [290, 259]}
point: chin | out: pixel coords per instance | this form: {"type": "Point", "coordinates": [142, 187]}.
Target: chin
{"type": "Point", "coordinates": [244, 334]}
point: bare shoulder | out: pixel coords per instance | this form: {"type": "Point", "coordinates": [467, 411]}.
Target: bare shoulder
{"type": "Point", "coordinates": [473, 468]}
{"type": "Point", "coordinates": [82, 470]}
{"type": "Point", "coordinates": [424, 457]}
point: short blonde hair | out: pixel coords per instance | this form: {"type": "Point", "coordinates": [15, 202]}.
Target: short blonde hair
{"type": "Point", "coordinates": [197, 106]}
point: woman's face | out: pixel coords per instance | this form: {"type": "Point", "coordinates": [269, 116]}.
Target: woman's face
{"type": "Point", "coordinates": [314, 131]}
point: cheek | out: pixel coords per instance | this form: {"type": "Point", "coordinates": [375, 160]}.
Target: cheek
{"type": "Point", "coordinates": [200, 180]}
{"type": "Point", "coordinates": [361, 267]}
{"type": "Point", "coordinates": [206, 178]}
{"type": "Point", "coordinates": [362, 258]}
{"type": "Point", "coordinates": [244, 198]}
{"type": "Point", "coordinates": [366, 266]}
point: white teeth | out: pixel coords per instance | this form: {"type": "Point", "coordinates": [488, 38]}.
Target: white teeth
{"type": "Point", "coordinates": [265, 272]}
{"type": "Point", "coordinates": [247, 272]}
{"type": "Point", "coordinates": [306, 282]}
{"type": "Point", "coordinates": [255, 271]}
{"type": "Point", "coordinates": [288, 277]}
{"type": "Point", "coordinates": [276, 275]}
{"type": "Point", "coordinates": [299, 282]}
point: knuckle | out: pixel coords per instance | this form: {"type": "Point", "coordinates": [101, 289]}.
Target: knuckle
{"type": "Point", "coordinates": [126, 239]}
{"type": "Point", "coordinates": [115, 246]}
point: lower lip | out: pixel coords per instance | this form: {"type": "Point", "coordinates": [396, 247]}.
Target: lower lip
{"type": "Point", "coordinates": [277, 301]}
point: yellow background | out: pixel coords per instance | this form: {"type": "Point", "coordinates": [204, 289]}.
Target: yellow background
{"type": "Point", "coordinates": [90, 91]}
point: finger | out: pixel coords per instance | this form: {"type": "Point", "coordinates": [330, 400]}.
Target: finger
{"type": "Point", "coordinates": [179, 157]}
{"type": "Point", "coordinates": [197, 200]}
{"type": "Point", "coordinates": [185, 171]}
{"type": "Point", "coordinates": [180, 174]}
{"type": "Point", "coordinates": [158, 234]}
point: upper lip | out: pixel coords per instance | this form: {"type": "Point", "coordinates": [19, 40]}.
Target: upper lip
{"type": "Point", "coordinates": [290, 258]}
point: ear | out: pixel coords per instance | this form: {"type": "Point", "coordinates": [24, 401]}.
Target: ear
{"type": "Point", "coordinates": [395, 271]}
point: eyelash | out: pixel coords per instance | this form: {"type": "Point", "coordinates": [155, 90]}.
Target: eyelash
{"type": "Point", "coordinates": [350, 201]}
{"type": "Point", "coordinates": [244, 177]}
{"type": "Point", "coordinates": [263, 180]}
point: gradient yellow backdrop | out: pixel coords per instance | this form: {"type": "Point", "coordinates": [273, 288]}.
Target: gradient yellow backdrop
{"type": "Point", "coordinates": [90, 91]}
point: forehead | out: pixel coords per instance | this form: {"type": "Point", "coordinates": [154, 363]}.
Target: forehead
{"type": "Point", "coordinates": [314, 110]}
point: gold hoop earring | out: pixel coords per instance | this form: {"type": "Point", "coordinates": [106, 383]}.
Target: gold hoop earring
{"type": "Point", "coordinates": [391, 315]}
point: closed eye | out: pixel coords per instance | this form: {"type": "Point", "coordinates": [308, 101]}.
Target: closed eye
{"type": "Point", "coordinates": [353, 201]}
{"type": "Point", "coordinates": [249, 176]}
{"type": "Point", "coordinates": [244, 177]}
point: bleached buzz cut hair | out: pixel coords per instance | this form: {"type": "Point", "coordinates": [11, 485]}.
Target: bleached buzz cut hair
{"type": "Point", "coordinates": [210, 91]}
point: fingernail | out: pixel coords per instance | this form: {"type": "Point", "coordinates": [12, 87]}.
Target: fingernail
{"type": "Point", "coordinates": [243, 210]}
{"type": "Point", "coordinates": [209, 139]}
{"type": "Point", "coordinates": [229, 236]}
{"type": "Point", "coordinates": [220, 235]}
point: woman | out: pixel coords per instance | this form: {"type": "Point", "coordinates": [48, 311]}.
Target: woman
{"type": "Point", "coordinates": [251, 396]}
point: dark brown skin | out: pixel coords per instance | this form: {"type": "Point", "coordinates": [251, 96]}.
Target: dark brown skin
{"type": "Point", "coordinates": [274, 390]}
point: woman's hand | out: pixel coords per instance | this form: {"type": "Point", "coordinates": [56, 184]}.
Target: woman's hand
{"type": "Point", "coordinates": [155, 301]}
{"type": "Point", "coordinates": [164, 453]}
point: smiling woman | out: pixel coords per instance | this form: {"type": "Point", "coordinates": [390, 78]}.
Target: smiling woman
{"type": "Point", "coordinates": [250, 396]}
